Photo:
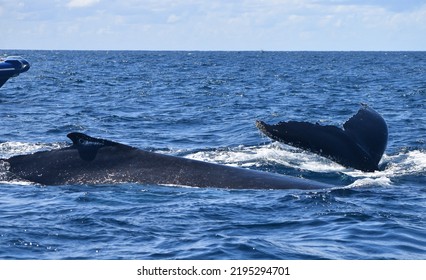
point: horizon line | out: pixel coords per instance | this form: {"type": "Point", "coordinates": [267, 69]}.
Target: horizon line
{"type": "Point", "coordinates": [201, 50]}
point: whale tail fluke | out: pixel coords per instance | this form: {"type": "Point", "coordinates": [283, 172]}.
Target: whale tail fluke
{"type": "Point", "coordinates": [360, 144]}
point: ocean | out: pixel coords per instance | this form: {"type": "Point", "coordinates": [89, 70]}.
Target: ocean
{"type": "Point", "coordinates": [203, 105]}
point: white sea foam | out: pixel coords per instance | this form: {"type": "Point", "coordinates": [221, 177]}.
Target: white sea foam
{"type": "Point", "coordinates": [404, 163]}
{"type": "Point", "coordinates": [9, 149]}
{"type": "Point", "coordinates": [366, 182]}
{"type": "Point", "coordinates": [401, 164]}
{"type": "Point", "coordinates": [16, 182]}
{"type": "Point", "coordinates": [273, 154]}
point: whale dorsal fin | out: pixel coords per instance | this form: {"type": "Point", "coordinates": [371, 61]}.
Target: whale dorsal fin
{"type": "Point", "coordinates": [370, 132]}
{"type": "Point", "coordinates": [88, 146]}
{"type": "Point", "coordinates": [81, 139]}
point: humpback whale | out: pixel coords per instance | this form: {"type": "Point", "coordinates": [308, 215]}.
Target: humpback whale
{"type": "Point", "coordinates": [97, 161]}
{"type": "Point", "coordinates": [360, 144]}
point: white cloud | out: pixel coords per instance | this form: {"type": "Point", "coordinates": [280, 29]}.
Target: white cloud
{"type": "Point", "coordinates": [218, 24]}
{"type": "Point", "coordinates": [81, 3]}
{"type": "Point", "coordinates": [173, 18]}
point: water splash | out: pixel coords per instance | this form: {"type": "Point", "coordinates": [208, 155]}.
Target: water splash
{"type": "Point", "coordinates": [9, 149]}
{"type": "Point", "coordinates": [404, 163]}
{"type": "Point", "coordinates": [270, 154]}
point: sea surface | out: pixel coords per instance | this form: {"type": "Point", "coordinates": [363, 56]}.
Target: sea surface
{"type": "Point", "coordinates": [203, 105]}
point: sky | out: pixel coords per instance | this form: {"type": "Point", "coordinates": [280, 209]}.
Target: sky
{"type": "Point", "coordinates": [270, 25]}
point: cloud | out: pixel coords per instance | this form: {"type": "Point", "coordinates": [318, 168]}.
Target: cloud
{"type": "Point", "coordinates": [215, 25]}
{"type": "Point", "coordinates": [173, 18]}
{"type": "Point", "coordinates": [81, 3]}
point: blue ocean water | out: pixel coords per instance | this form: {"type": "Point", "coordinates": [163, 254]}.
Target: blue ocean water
{"type": "Point", "coordinates": [203, 105]}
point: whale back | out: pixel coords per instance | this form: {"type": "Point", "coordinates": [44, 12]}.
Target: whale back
{"type": "Point", "coordinates": [97, 161]}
